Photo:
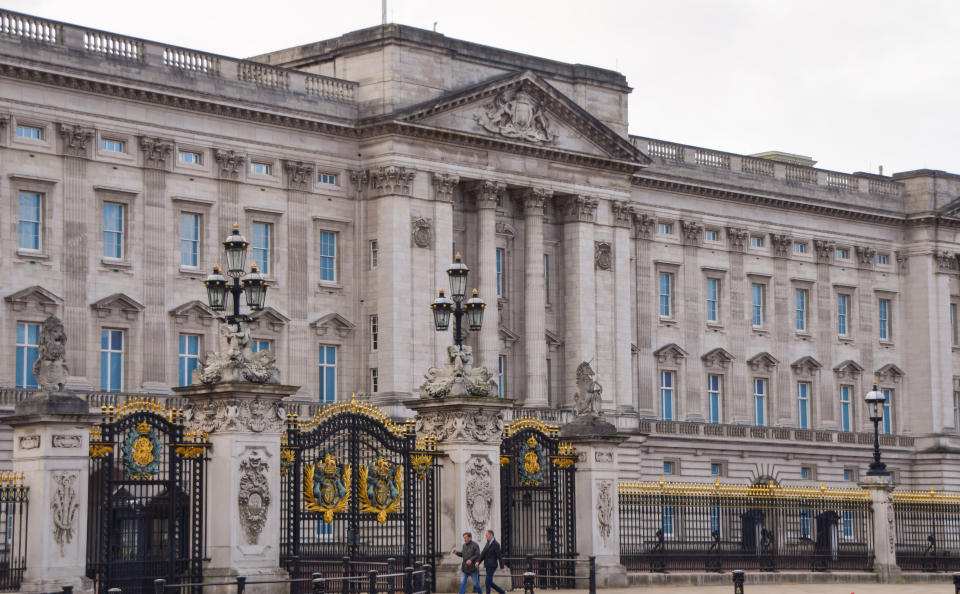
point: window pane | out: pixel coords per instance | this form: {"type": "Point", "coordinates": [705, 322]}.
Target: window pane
{"type": "Point", "coordinates": [28, 226]}
{"type": "Point", "coordinates": [189, 239]}
{"type": "Point", "coordinates": [261, 246]}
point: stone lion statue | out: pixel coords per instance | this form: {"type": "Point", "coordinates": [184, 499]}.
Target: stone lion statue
{"type": "Point", "coordinates": [50, 368]}
{"type": "Point", "coordinates": [588, 401]}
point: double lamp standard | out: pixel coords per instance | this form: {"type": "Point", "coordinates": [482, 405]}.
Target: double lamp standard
{"type": "Point", "coordinates": [253, 285]}
{"type": "Point", "coordinates": [875, 401]}
{"type": "Point", "coordinates": [443, 306]}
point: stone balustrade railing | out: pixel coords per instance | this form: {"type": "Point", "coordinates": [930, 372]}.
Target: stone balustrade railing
{"type": "Point", "coordinates": [687, 428]}
{"type": "Point", "coordinates": [692, 156]}
{"type": "Point", "coordinates": [17, 28]}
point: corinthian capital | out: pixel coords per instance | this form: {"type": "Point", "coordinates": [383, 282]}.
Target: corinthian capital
{"type": "Point", "coordinates": [299, 174]}
{"type": "Point", "coordinates": [487, 193]}
{"type": "Point", "coordinates": [692, 232]}
{"type": "Point", "coordinates": [155, 151]}
{"type": "Point", "coordinates": [622, 213]}
{"type": "Point", "coordinates": [737, 238]}
{"type": "Point", "coordinates": [782, 244]}
{"type": "Point", "coordinates": [392, 180]}
{"type": "Point", "coordinates": [229, 163]}
{"type": "Point", "coordinates": [824, 249]}
{"type": "Point", "coordinates": [76, 139]}
{"type": "Point", "coordinates": [867, 256]}
{"type": "Point", "coordinates": [443, 185]}
{"type": "Point", "coordinates": [581, 209]}
{"type": "Point", "coordinates": [533, 200]}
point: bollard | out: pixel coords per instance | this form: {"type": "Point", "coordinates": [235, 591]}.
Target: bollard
{"type": "Point", "coordinates": [530, 563]}
{"type": "Point", "coordinates": [372, 581]}
{"type": "Point", "coordinates": [318, 585]}
{"type": "Point", "coordinates": [427, 579]}
{"type": "Point", "coordinates": [159, 586]}
{"type": "Point", "coordinates": [241, 584]}
{"type": "Point", "coordinates": [408, 580]}
{"type": "Point", "coordinates": [956, 583]}
{"type": "Point", "coordinates": [593, 575]}
{"type": "Point", "coordinates": [737, 581]}
{"type": "Point", "coordinates": [346, 574]}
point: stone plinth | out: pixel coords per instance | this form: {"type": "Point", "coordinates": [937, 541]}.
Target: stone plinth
{"type": "Point", "coordinates": [245, 422]}
{"type": "Point", "coordinates": [598, 524]}
{"type": "Point", "coordinates": [884, 531]}
{"type": "Point", "coordinates": [51, 441]}
{"type": "Point", "coordinates": [468, 430]}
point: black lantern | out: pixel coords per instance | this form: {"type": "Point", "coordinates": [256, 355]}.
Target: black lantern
{"type": "Point", "coordinates": [475, 307]}
{"type": "Point", "coordinates": [442, 308]}
{"type": "Point", "coordinates": [875, 401]}
{"type": "Point", "coordinates": [255, 288]}
{"type": "Point", "coordinates": [236, 248]}
{"type": "Point", "coordinates": [216, 290]}
{"type": "Point", "coordinates": [458, 272]}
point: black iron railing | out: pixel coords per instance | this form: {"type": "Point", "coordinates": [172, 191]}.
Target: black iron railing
{"type": "Point", "coordinates": [928, 530]}
{"type": "Point", "coordinates": [411, 580]}
{"type": "Point", "coordinates": [13, 530]}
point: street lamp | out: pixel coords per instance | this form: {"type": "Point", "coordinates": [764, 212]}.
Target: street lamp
{"type": "Point", "coordinates": [253, 284]}
{"type": "Point", "coordinates": [875, 401]}
{"type": "Point", "coordinates": [443, 306]}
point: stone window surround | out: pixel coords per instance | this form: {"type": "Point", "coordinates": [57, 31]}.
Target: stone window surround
{"type": "Point", "coordinates": [676, 369]}
{"type": "Point", "coordinates": [892, 326]}
{"type": "Point", "coordinates": [203, 326]}
{"type": "Point", "coordinates": [131, 239]}
{"type": "Point", "coordinates": [851, 292]}
{"type": "Point", "coordinates": [765, 280]}
{"type": "Point", "coordinates": [720, 275]}
{"type": "Point", "coordinates": [723, 467]}
{"type": "Point", "coordinates": [273, 178]}
{"type": "Point", "coordinates": [894, 387]}
{"type": "Point", "coordinates": [724, 414]}
{"type": "Point", "coordinates": [274, 218]}
{"type": "Point", "coordinates": [338, 226]}
{"type": "Point", "coordinates": [810, 312]}
{"type": "Point", "coordinates": [129, 147]}
{"type": "Point", "coordinates": [676, 472]}
{"type": "Point", "coordinates": [44, 187]}
{"type": "Point", "coordinates": [812, 395]}
{"type": "Point", "coordinates": [196, 206]}
{"type": "Point", "coordinates": [313, 385]}
{"type": "Point", "coordinates": [202, 167]}
{"type": "Point", "coordinates": [769, 399]}
{"type": "Point", "coordinates": [812, 468]}
{"type": "Point", "coordinates": [673, 269]}
{"type": "Point", "coordinates": [47, 135]}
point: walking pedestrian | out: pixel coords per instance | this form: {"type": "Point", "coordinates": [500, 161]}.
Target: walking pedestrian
{"type": "Point", "coordinates": [492, 559]}
{"type": "Point", "coordinates": [470, 567]}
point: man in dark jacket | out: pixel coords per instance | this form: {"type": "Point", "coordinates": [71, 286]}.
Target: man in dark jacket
{"type": "Point", "coordinates": [492, 559]}
{"type": "Point", "coordinates": [471, 563]}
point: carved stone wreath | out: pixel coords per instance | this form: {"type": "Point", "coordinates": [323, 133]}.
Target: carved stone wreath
{"type": "Point", "coordinates": [479, 494]}
{"type": "Point", "coordinates": [234, 414]}
{"type": "Point", "coordinates": [421, 232]}
{"type": "Point", "coordinates": [254, 497]}
{"type": "Point", "coordinates": [471, 425]}
{"type": "Point", "coordinates": [602, 255]}
{"type": "Point", "coordinates": [605, 509]}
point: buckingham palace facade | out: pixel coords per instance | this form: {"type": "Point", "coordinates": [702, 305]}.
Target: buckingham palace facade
{"type": "Point", "coordinates": [736, 308]}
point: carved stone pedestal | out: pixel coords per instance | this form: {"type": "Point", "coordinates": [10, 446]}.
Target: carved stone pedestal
{"type": "Point", "coordinates": [469, 431]}
{"type": "Point", "coordinates": [51, 440]}
{"type": "Point", "coordinates": [245, 422]}
{"type": "Point", "coordinates": [598, 524]}
{"type": "Point", "coordinates": [884, 531]}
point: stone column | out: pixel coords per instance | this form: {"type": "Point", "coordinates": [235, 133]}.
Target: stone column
{"type": "Point", "coordinates": [867, 315]}
{"type": "Point", "coordinates": [692, 322]}
{"type": "Point", "coordinates": [535, 320]}
{"type": "Point", "coordinates": [300, 177]}
{"type": "Point", "coordinates": [245, 422]}
{"type": "Point", "coordinates": [782, 247]}
{"type": "Point", "coordinates": [623, 381]}
{"type": "Point", "coordinates": [738, 402]}
{"type": "Point", "coordinates": [579, 280]}
{"type": "Point", "coordinates": [487, 193]}
{"type": "Point", "coordinates": [880, 489]}
{"type": "Point", "coordinates": [646, 402]}
{"type": "Point", "coordinates": [469, 432]}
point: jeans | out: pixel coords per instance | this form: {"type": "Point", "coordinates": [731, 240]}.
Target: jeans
{"type": "Point", "coordinates": [476, 581]}
{"type": "Point", "coordinates": [491, 571]}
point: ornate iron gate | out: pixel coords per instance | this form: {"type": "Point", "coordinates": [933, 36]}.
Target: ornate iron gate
{"type": "Point", "coordinates": [146, 499]}
{"type": "Point", "coordinates": [359, 493]}
{"type": "Point", "coordinates": [538, 516]}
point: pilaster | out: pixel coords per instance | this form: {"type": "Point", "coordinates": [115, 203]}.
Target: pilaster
{"type": "Point", "coordinates": [444, 192]}
{"type": "Point", "coordinates": [782, 245]}
{"type": "Point", "coordinates": [579, 279]}
{"type": "Point", "coordinates": [533, 201]}
{"type": "Point", "coordinates": [646, 407]}
{"type": "Point", "coordinates": [828, 393]}
{"type": "Point", "coordinates": [486, 194]}
{"type": "Point", "coordinates": [229, 165]}
{"type": "Point", "coordinates": [740, 409]}
{"type": "Point", "coordinates": [622, 296]}
{"type": "Point", "coordinates": [299, 178]}
{"type": "Point", "coordinates": [867, 307]}
{"type": "Point", "coordinates": [693, 325]}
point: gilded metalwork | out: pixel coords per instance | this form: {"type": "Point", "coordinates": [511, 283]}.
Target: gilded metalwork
{"type": "Point", "coordinates": [421, 463]}
{"type": "Point", "coordinates": [563, 462]}
{"type": "Point", "coordinates": [504, 460]}
{"type": "Point", "coordinates": [534, 463]}
{"type": "Point", "coordinates": [100, 450]}
{"type": "Point", "coordinates": [330, 492]}
{"type": "Point", "coordinates": [381, 483]}
{"type": "Point", "coordinates": [142, 452]}
{"type": "Point", "coordinates": [287, 457]}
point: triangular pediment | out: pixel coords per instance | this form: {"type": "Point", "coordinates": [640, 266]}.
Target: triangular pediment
{"type": "Point", "coordinates": [35, 297]}
{"type": "Point", "coordinates": [806, 366]}
{"type": "Point", "coordinates": [762, 361]}
{"type": "Point", "coordinates": [718, 357]}
{"type": "Point", "coordinates": [196, 307]}
{"type": "Point", "coordinates": [332, 324]}
{"type": "Point", "coordinates": [117, 304]}
{"type": "Point", "coordinates": [523, 108]}
{"type": "Point", "coordinates": [553, 341]}
{"type": "Point", "coordinates": [889, 372]}
{"type": "Point", "coordinates": [848, 368]}
{"type": "Point", "coordinates": [670, 353]}
{"type": "Point", "coordinates": [507, 335]}
{"type": "Point", "coordinates": [269, 319]}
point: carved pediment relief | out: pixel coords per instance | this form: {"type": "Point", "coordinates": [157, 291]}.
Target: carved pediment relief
{"type": "Point", "coordinates": [269, 319]}
{"type": "Point", "coordinates": [806, 366]}
{"type": "Point", "coordinates": [193, 313]}
{"type": "Point", "coordinates": [718, 358]}
{"type": "Point", "coordinates": [889, 373]}
{"type": "Point", "coordinates": [670, 353]}
{"type": "Point", "coordinates": [848, 369]}
{"type": "Point", "coordinates": [36, 298]}
{"type": "Point", "coordinates": [117, 304]}
{"type": "Point", "coordinates": [762, 361]}
{"type": "Point", "coordinates": [332, 325]}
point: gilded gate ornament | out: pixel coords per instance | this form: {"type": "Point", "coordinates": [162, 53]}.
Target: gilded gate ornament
{"type": "Point", "coordinates": [330, 492]}
{"type": "Point", "coordinates": [142, 452]}
{"type": "Point", "coordinates": [380, 488]}
{"type": "Point", "coordinates": [531, 471]}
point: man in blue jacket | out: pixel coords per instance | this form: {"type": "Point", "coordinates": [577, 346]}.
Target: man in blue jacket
{"type": "Point", "coordinates": [492, 558]}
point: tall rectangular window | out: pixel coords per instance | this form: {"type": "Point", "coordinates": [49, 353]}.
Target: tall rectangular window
{"type": "Point", "coordinates": [374, 380]}
{"type": "Point", "coordinates": [189, 240]}
{"type": "Point", "coordinates": [668, 521]}
{"type": "Point", "coordinates": [666, 295]}
{"type": "Point", "coordinates": [954, 324]}
{"type": "Point", "coordinates": [883, 313]}
{"type": "Point", "coordinates": [756, 292]}
{"type": "Point", "coordinates": [715, 520]}
{"type": "Point", "coordinates": [713, 398]}
{"type": "Point", "coordinates": [801, 297]}
{"type": "Point", "coordinates": [328, 256]}
{"type": "Point", "coordinates": [713, 300]}
{"type": "Point", "coordinates": [546, 278]}
{"type": "Point", "coordinates": [956, 409]}
{"type": "Point", "coordinates": [113, 230]}
{"type": "Point", "coordinates": [328, 373]}
{"type": "Point", "coordinates": [111, 360]}
{"type": "Point", "coordinates": [845, 420]}
{"type": "Point", "coordinates": [31, 132]}
{"type": "Point", "coordinates": [759, 402]}
{"type": "Point", "coordinates": [188, 358]}
{"type": "Point", "coordinates": [501, 374]}
{"type": "Point", "coordinates": [805, 523]}
{"type": "Point", "coordinates": [666, 395]}
{"type": "Point", "coordinates": [803, 405]}
{"type": "Point", "coordinates": [28, 347]}
{"type": "Point", "coordinates": [262, 240]}
{"type": "Point", "coordinates": [843, 302]}
{"type": "Point", "coordinates": [887, 410]}
{"type": "Point", "coordinates": [374, 332]}
{"type": "Point", "coordinates": [374, 254]}
{"type": "Point", "coordinates": [501, 261]}
{"type": "Point", "coordinates": [29, 221]}
{"type": "Point", "coordinates": [847, 516]}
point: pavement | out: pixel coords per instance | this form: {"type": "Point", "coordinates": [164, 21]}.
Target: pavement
{"type": "Point", "coordinates": [929, 588]}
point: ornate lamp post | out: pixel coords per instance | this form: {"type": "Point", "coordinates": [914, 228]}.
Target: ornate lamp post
{"type": "Point", "coordinates": [252, 284]}
{"type": "Point", "coordinates": [443, 306]}
{"type": "Point", "coordinates": [875, 401]}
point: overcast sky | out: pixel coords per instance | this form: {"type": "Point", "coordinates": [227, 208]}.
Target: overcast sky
{"type": "Point", "coordinates": [852, 83]}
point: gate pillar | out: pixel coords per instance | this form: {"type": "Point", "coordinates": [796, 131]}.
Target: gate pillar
{"type": "Point", "coordinates": [884, 541]}
{"type": "Point", "coordinates": [245, 422]}
{"type": "Point", "coordinates": [598, 521]}
{"type": "Point", "coordinates": [51, 439]}
{"type": "Point", "coordinates": [468, 430]}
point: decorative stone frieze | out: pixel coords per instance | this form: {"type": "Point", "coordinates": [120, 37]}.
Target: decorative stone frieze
{"type": "Point", "coordinates": [670, 353]}
{"type": "Point", "coordinates": [866, 256]}
{"type": "Point", "coordinates": [506, 230]}
{"type": "Point", "coordinates": [392, 180]}
{"type": "Point", "coordinates": [782, 244]}
{"type": "Point", "coordinates": [581, 209]}
{"type": "Point", "coordinates": [156, 152]}
{"type": "Point", "coordinates": [117, 304]}
{"type": "Point", "coordinates": [254, 496]}
{"type": "Point", "coordinates": [443, 185]}
{"type": "Point", "coordinates": [824, 250]}
{"type": "Point", "coordinates": [602, 255]}
{"type": "Point", "coordinates": [236, 414]}
{"type": "Point", "coordinates": [718, 358]}
{"type": "Point", "coordinates": [737, 238]}
{"type": "Point", "coordinates": [231, 363]}
{"type": "Point", "coordinates": [479, 494]}
{"type": "Point", "coordinates": [763, 361]}
{"type": "Point", "coordinates": [691, 232]}
{"type": "Point", "coordinates": [229, 163]}
{"type": "Point", "coordinates": [482, 426]}
{"type": "Point", "coordinates": [421, 232]}
{"type": "Point", "coordinates": [515, 114]}
{"type": "Point", "coordinates": [66, 441]}
{"type": "Point", "coordinates": [622, 213]}
{"type": "Point", "coordinates": [64, 507]}
{"type": "Point", "coordinates": [299, 174]}
{"type": "Point", "coordinates": [806, 366]}
{"type": "Point", "coordinates": [76, 139]}
{"type": "Point", "coordinates": [29, 442]}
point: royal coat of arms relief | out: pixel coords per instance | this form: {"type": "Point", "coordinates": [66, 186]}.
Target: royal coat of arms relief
{"type": "Point", "coordinates": [516, 114]}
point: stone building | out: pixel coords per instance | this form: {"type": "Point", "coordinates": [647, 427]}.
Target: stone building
{"type": "Point", "coordinates": [736, 307]}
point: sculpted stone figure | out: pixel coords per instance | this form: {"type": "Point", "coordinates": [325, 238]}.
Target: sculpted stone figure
{"type": "Point", "coordinates": [50, 368]}
{"type": "Point", "coordinates": [231, 363]}
{"type": "Point", "coordinates": [588, 400]}
{"type": "Point", "coordinates": [457, 378]}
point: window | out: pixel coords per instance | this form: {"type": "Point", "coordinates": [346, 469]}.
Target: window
{"type": "Point", "coordinates": [759, 402]}
{"type": "Point", "coordinates": [711, 235]}
{"type": "Point", "coordinates": [374, 380]}
{"type": "Point", "coordinates": [805, 473]}
{"type": "Point", "coordinates": [713, 398]}
{"type": "Point", "coordinates": [883, 259]}
{"type": "Point", "coordinates": [666, 289]}
{"type": "Point", "coordinates": [847, 516]}
{"type": "Point", "coordinates": [189, 358]}
{"type": "Point", "coordinates": [804, 522]}
{"type": "Point", "coordinates": [803, 405]}
{"type": "Point", "coordinates": [842, 313]}
{"type": "Point", "coordinates": [28, 347]}
{"type": "Point", "coordinates": [666, 395]}
{"type": "Point", "coordinates": [954, 324]}
{"type": "Point", "coordinates": [546, 278]}
{"type": "Point", "coordinates": [189, 239]}
{"type": "Point", "coordinates": [31, 132]}
{"type": "Point", "coordinates": [845, 420]}
{"type": "Point", "coordinates": [328, 256]}
{"type": "Point", "coordinates": [327, 178]}
{"type": "Point", "coordinates": [262, 241]}
{"type": "Point", "coordinates": [111, 360]}
{"type": "Point", "coordinates": [843, 253]}
{"type": "Point", "coordinates": [757, 305]}
{"type": "Point", "coordinates": [669, 467]}
{"type": "Point", "coordinates": [28, 221]}
{"type": "Point", "coordinates": [188, 157]}
{"type": "Point", "coordinates": [328, 373]}
{"type": "Point", "coordinates": [799, 248]}
{"type": "Point", "coordinates": [716, 469]}
{"type": "Point", "coordinates": [260, 168]}
{"type": "Point", "coordinates": [887, 410]}
{"type": "Point", "coordinates": [550, 382]}
{"type": "Point", "coordinates": [956, 406]}
{"type": "Point", "coordinates": [665, 228]}
{"type": "Point", "coordinates": [258, 345]}
{"type": "Point", "coordinates": [756, 241]}
{"type": "Point", "coordinates": [713, 300]}
{"type": "Point", "coordinates": [883, 312]}
{"type": "Point", "coordinates": [801, 310]}
{"type": "Point", "coordinates": [374, 332]}
{"type": "Point", "coordinates": [668, 520]}
{"type": "Point", "coordinates": [374, 253]}
{"type": "Point", "coordinates": [715, 520]}
{"type": "Point", "coordinates": [849, 474]}
{"type": "Point", "coordinates": [501, 374]}
{"type": "Point", "coordinates": [111, 146]}
{"type": "Point", "coordinates": [501, 261]}
{"type": "Point", "coordinates": [113, 231]}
